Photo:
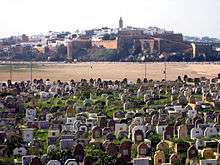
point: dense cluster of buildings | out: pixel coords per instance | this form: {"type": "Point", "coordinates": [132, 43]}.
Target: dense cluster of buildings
{"type": "Point", "coordinates": [124, 40]}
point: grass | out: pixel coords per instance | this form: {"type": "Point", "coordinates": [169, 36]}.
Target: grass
{"type": "Point", "coordinates": [163, 101]}
{"type": "Point", "coordinates": [198, 97]}
{"type": "Point", "coordinates": [104, 53]}
{"type": "Point", "coordinates": [7, 160]}
{"type": "Point", "coordinates": [41, 134]}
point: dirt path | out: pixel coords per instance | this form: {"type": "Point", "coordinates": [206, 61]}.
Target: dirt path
{"type": "Point", "coordinates": [108, 71]}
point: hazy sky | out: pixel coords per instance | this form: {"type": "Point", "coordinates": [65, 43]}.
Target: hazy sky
{"type": "Point", "coordinates": [191, 17]}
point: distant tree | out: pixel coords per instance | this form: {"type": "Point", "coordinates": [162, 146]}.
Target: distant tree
{"type": "Point", "coordinates": [109, 36]}
{"type": "Point", "coordinates": [61, 52]}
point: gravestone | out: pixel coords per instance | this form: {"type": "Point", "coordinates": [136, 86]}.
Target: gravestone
{"type": "Point", "coordinates": [143, 150]}
{"type": "Point", "coordinates": [181, 147]}
{"type": "Point", "coordinates": [102, 121]}
{"type": "Point", "coordinates": [138, 121]}
{"type": "Point", "coordinates": [198, 122]}
{"type": "Point", "coordinates": [175, 159]}
{"type": "Point", "coordinates": [88, 160]}
{"type": "Point", "coordinates": [200, 144]}
{"type": "Point", "coordinates": [208, 162]}
{"type": "Point", "coordinates": [218, 148]}
{"type": "Point", "coordinates": [217, 126]}
{"type": "Point", "coordinates": [189, 128]}
{"type": "Point", "coordinates": [209, 118]}
{"type": "Point", "coordinates": [110, 137]}
{"type": "Point", "coordinates": [192, 152]}
{"type": "Point", "coordinates": [130, 128]}
{"type": "Point", "coordinates": [120, 127]}
{"type": "Point", "coordinates": [217, 118]}
{"type": "Point", "coordinates": [119, 114]}
{"type": "Point", "coordinates": [176, 126]}
{"type": "Point", "coordinates": [79, 153]}
{"type": "Point", "coordinates": [66, 144]}
{"type": "Point", "coordinates": [106, 130]}
{"type": "Point", "coordinates": [83, 129]}
{"type": "Point", "coordinates": [210, 131]}
{"type": "Point", "coordinates": [192, 113]}
{"type": "Point", "coordinates": [160, 128]}
{"type": "Point", "coordinates": [159, 158]}
{"type": "Point", "coordinates": [26, 159]}
{"type": "Point", "coordinates": [147, 119]}
{"type": "Point", "coordinates": [27, 135]}
{"type": "Point", "coordinates": [30, 114]}
{"type": "Point", "coordinates": [203, 126]}
{"type": "Point", "coordinates": [196, 133]}
{"type": "Point", "coordinates": [208, 153]}
{"type": "Point", "coordinates": [111, 124]}
{"type": "Point", "coordinates": [148, 127]}
{"type": "Point", "coordinates": [53, 162]}
{"type": "Point", "coordinates": [71, 162]}
{"type": "Point", "coordinates": [129, 115]}
{"type": "Point", "coordinates": [162, 146]}
{"type": "Point", "coordinates": [182, 131]}
{"type": "Point", "coordinates": [211, 144]}
{"type": "Point", "coordinates": [2, 137]}
{"type": "Point", "coordinates": [122, 135]}
{"type": "Point", "coordinates": [36, 161]}
{"type": "Point", "coordinates": [138, 136]}
{"type": "Point", "coordinates": [112, 149]}
{"type": "Point", "coordinates": [168, 133]}
{"type": "Point", "coordinates": [21, 151]}
{"type": "Point", "coordinates": [154, 119]}
{"type": "Point", "coordinates": [96, 132]}
{"type": "Point", "coordinates": [141, 161]}
{"type": "Point", "coordinates": [135, 128]}
{"type": "Point", "coordinates": [125, 150]}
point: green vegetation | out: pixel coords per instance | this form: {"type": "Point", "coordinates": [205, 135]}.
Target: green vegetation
{"type": "Point", "coordinates": [7, 160]}
{"type": "Point", "coordinates": [105, 52]}
{"type": "Point", "coordinates": [165, 100]}
{"type": "Point", "coordinates": [98, 156]}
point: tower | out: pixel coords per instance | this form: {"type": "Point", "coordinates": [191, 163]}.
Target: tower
{"type": "Point", "coordinates": [120, 23]}
{"type": "Point", "coordinates": [69, 52]}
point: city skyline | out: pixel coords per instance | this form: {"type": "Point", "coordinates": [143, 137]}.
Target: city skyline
{"type": "Point", "coordinates": [197, 18]}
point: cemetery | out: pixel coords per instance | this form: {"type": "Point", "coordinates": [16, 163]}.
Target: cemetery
{"type": "Point", "coordinates": [106, 122]}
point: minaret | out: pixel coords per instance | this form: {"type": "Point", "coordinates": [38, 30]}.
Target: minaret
{"type": "Point", "coordinates": [120, 23]}
{"type": "Point", "coordinates": [69, 52]}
